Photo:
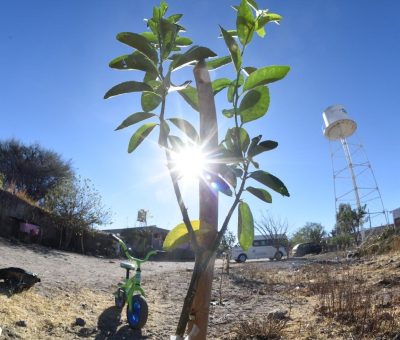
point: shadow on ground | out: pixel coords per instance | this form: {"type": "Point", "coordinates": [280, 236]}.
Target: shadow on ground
{"type": "Point", "coordinates": [109, 324]}
{"type": "Point", "coordinates": [35, 247]}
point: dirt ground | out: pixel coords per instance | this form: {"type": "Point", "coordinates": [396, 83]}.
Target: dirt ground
{"type": "Point", "coordinates": [280, 296]}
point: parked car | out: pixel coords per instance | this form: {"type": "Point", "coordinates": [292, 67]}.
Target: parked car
{"type": "Point", "coordinates": [262, 248]}
{"type": "Point", "coordinates": [302, 249]}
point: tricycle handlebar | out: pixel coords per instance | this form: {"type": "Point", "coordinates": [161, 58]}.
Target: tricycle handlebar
{"type": "Point", "coordinates": [115, 237]}
{"type": "Point", "coordinates": [129, 256]}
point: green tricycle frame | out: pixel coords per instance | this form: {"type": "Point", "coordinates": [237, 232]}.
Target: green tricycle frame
{"type": "Point", "coordinates": [130, 291]}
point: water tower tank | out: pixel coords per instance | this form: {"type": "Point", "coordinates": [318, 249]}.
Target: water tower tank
{"type": "Point", "coordinates": [337, 123]}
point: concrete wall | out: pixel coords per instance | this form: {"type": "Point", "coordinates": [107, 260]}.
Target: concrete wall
{"type": "Point", "coordinates": [14, 210]}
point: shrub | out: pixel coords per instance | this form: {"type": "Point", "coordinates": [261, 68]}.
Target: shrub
{"type": "Point", "coordinates": [269, 328]}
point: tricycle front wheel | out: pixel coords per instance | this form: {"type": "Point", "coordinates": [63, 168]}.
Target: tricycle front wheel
{"type": "Point", "coordinates": [137, 314]}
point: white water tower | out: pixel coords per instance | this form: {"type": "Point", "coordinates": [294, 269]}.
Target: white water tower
{"type": "Point", "coordinates": [353, 178]}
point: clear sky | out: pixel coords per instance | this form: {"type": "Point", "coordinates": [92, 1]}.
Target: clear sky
{"type": "Point", "coordinates": [54, 72]}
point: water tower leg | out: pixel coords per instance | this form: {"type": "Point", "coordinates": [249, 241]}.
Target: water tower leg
{"type": "Point", "coordinates": [353, 179]}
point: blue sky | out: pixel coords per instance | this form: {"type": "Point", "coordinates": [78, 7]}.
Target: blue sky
{"type": "Point", "coordinates": [54, 72]}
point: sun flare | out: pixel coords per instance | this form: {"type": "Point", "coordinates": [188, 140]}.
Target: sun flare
{"type": "Point", "coordinates": [190, 162]}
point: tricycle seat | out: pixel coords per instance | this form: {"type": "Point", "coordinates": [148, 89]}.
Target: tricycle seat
{"type": "Point", "coordinates": [127, 265]}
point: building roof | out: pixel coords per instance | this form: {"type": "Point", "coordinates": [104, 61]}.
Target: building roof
{"type": "Point", "coordinates": [151, 228]}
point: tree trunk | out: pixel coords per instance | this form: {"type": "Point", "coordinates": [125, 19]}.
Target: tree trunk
{"type": "Point", "coordinates": [208, 204]}
{"type": "Point", "coordinates": [61, 235]}
{"type": "Point", "coordinates": [82, 243]}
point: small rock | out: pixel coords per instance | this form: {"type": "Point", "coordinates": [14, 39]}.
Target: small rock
{"type": "Point", "coordinates": [85, 332]}
{"type": "Point", "coordinates": [397, 336]}
{"type": "Point", "coordinates": [279, 314]}
{"type": "Point", "coordinates": [21, 323]}
{"type": "Point", "coordinates": [1, 331]}
{"type": "Point", "coordinates": [80, 322]}
{"type": "Point", "coordinates": [385, 282]}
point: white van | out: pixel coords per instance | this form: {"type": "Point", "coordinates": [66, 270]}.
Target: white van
{"type": "Point", "coordinates": [262, 248]}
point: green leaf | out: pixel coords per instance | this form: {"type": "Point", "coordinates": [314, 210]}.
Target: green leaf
{"type": "Point", "coordinates": [219, 84]}
{"type": "Point", "coordinates": [127, 87]}
{"type": "Point", "coordinates": [183, 41]}
{"type": "Point", "coordinates": [193, 54]}
{"type": "Point", "coordinates": [232, 136]}
{"type": "Point", "coordinates": [140, 43]}
{"type": "Point", "coordinates": [190, 96]}
{"type": "Point", "coordinates": [185, 127]}
{"type": "Point", "coordinates": [134, 61]}
{"type": "Point", "coordinates": [270, 181]}
{"type": "Point", "coordinates": [213, 64]}
{"type": "Point", "coordinates": [176, 142]}
{"type": "Point", "coordinates": [173, 88]}
{"type": "Point", "coordinates": [174, 18]}
{"type": "Point", "coordinates": [256, 165]}
{"type": "Point", "coordinates": [254, 142]}
{"type": "Point", "coordinates": [149, 77]}
{"type": "Point", "coordinates": [179, 235]}
{"type": "Point", "coordinates": [253, 4]}
{"type": "Point", "coordinates": [245, 226]}
{"type": "Point", "coordinates": [217, 183]}
{"type": "Point", "coordinates": [267, 17]}
{"type": "Point", "coordinates": [228, 113]}
{"type": "Point", "coordinates": [262, 194]}
{"type": "Point", "coordinates": [231, 92]}
{"type": "Point", "coordinates": [232, 33]}
{"type": "Point", "coordinates": [249, 70]}
{"type": "Point", "coordinates": [227, 174]}
{"type": "Point", "coordinates": [150, 101]}
{"type": "Point", "coordinates": [266, 145]}
{"type": "Point", "coordinates": [238, 172]}
{"type": "Point", "coordinates": [139, 136]}
{"type": "Point", "coordinates": [231, 88]}
{"type": "Point", "coordinates": [254, 104]}
{"type": "Point", "coordinates": [135, 118]}
{"type": "Point", "coordinates": [150, 36]}
{"type": "Point", "coordinates": [265, 75]}
{"type": "Point", "coordinates": [261, 32]}
{"type": "Point", "coordinates": [245, 23]}
{"type": "Point", "coordinates": [233, 48]}
{"type": "Point", "coordinates": [168, 34]}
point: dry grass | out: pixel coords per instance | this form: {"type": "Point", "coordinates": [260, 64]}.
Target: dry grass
{"type": "Point", "coordinates": [348, 299]}
{"type": "Point", "coordinates": [268, 329]}
{"type": "Point", "coordinates": [385, 242]}
{"type": "Point", "coordinates": [52, 316]}
{"type": "Point", "coordinates": [21, 194]}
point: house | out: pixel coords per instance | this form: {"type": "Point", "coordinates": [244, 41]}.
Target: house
{"type": "Point", "coordinates": [142, 239]}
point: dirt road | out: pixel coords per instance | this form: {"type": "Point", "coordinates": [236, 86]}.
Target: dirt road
{"type": "Point", "coordinates": [74, 271]}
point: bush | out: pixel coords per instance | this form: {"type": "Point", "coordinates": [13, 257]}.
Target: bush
{"type": "Point", "coordinates": [343, 241]}
{"type": "Point", "coordinates": [269, 328]}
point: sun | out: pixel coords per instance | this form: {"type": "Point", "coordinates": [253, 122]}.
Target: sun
{"type": "Point", "coordinates": [189, 162]}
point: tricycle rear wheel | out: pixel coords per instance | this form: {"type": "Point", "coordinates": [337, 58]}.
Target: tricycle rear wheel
{"type": "Point", "coordinates": [120, 298]}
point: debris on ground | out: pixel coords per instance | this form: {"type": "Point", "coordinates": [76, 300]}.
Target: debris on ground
{"type": "Point", "coordinates": [17, 279]}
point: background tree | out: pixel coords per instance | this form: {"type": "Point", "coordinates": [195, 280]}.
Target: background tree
{"type": "Point", "coordinates": [31, 168]}
{"type": "Point", "coordinates": [227, 243]}
{"type": "Point", "coordinates": [348, 220]}
{"type": "Point", "coordinates": [273, 228]}
{"type": "Point", "coordinates": [77, 208]}
{"type": "Point", "coordinates": [311, 232]}
{"type": "Point", "coordinates": [230, 163]}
